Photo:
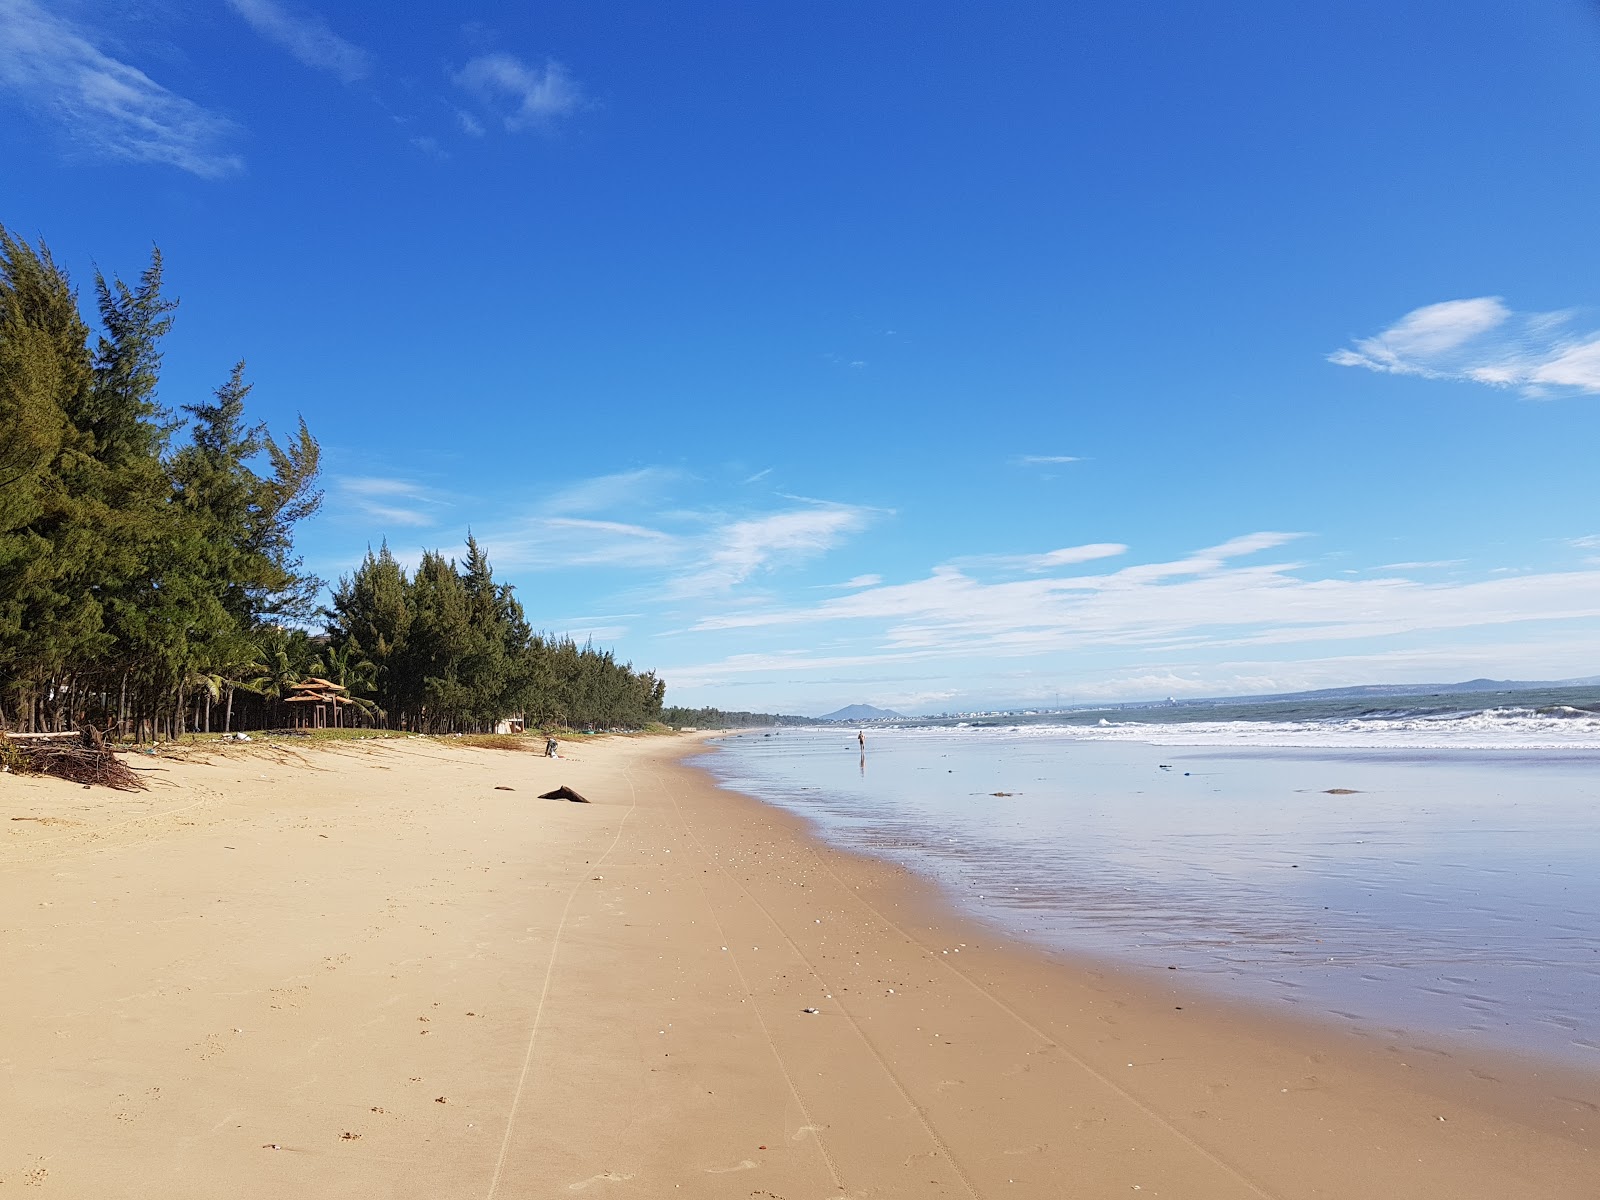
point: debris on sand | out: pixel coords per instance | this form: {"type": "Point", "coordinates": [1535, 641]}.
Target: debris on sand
{"type": "Point", "coordinates": [79, 757]}
{"type": "Point", "coordinates": [564, 793]}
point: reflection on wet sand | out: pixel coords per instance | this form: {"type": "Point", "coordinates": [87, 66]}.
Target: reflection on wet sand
{"type": "Point", "coordinates": [1446, 892]}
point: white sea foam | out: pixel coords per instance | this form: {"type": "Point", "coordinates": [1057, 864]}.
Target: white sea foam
{"type": "Point", "coordinates": [1484, 729]}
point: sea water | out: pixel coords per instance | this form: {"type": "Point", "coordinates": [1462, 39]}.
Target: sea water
{"type": "Point", "coordinates": [1441, 881]}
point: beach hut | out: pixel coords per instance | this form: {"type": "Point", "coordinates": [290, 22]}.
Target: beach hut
{"type": "Point", "coordinates": [317, 703]}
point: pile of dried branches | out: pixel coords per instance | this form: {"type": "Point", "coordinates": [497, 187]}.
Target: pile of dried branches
{"type": "Point", "coordinates": [70, 758]}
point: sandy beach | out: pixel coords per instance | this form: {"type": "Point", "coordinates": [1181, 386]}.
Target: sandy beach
{"type": "Point", "coordinates": [388, 969]}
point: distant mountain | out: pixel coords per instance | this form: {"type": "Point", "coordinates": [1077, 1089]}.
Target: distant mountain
{"type": "Point", "coordinates": [1376, 690]}
{"type": "Point", "coordinates": [862, 712]}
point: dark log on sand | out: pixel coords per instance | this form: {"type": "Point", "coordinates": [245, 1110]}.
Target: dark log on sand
{"type": "Point", "coordinates": [564, 793]}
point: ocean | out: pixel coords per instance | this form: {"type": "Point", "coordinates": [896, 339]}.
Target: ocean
{"type": "Point", "coordinates": [1426, 872]}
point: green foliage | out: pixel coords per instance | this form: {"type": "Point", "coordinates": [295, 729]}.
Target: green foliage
{"type": "Point", "coordinates": [148, 578]}
{"type": "Point", "coordinates": [138, 584]}
{"type": "Point", "coordinates": [451, 651]}
{"type": "Point", "coordinates": [714, 718]}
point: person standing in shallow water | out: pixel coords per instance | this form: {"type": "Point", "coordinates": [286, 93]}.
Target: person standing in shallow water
{"type": "Point", "coordinates": [861, 736]}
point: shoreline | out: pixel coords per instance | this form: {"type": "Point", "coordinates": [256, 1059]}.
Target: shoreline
{"type": "Point", "coordinates": [1406, 922]}
{"type": "Point", "coordinates": [499, 995]}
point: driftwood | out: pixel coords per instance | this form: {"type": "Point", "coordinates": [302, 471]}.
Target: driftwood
{"type": "Point", "coordinates": [77, 757]}
{"type": "Point", "coordinates": [564, 793]}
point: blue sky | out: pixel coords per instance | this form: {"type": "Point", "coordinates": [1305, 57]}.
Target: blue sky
{"type": "Point", "coordinates": [925, 354]}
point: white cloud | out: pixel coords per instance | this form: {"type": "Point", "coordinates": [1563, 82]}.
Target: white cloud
{"type": "Point", "coordinates": [741, 549]}
{"type": "Point", "coordinates": [536, 95]}
{"type": "Point", "coordinates": [470, 125]}
{"type": "Point", "coordinates": [619, 528]}
{"type": "Point", "coordinates": [1179, 629]}
{"type": "Point", "coordinates": [1043, 460]}
{"type": "Point", "coordinates": [1482, 341]}
{"type": "Point", "coordinates": [103, 104]}
{"type": "Point", "coordinates": [1173, 610]}
{"type": "Point", "coordinates": [608, 492]}
{"type": "Point", "coordinates": [1587, 542]}
{"type": "Point", "coordinates": [306, 36]}
{"type": "Point", "coordinates": [390, 501]}
{"type": "Point", "coordinates": [1073, 554]}
{"type": "Point", "coordinates": [860, 581]}
{"type": "Point", "coordinates": [596, 522]}
{"type": "Point", "coordinates": [550, 542]}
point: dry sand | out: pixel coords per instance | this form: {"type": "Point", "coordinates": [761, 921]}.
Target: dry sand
{"type": "Point", "coordinates": [365, 971]}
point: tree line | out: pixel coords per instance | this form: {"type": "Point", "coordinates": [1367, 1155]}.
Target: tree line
{"type": "Point", "coordinates": [149, 583]}
{"type": "Point", "coordinates": [679, 717]}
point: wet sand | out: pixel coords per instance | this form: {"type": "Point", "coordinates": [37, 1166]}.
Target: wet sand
{"type": "Point", "coordinates": [366, 971]}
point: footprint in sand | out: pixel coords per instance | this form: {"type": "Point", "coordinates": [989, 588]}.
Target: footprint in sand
{"type": "Point", "coordinates": [130, 1109]}
{"type": "Point", "coordinates": [603, 1177]}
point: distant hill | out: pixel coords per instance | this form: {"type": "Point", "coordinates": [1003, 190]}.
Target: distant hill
{"type": "Point", "coordinates": [862, 712]}
{"type": "Point", "coordinates": [1377, 690]}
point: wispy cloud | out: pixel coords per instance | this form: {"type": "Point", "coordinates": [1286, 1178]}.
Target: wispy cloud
{"type": "Point", "coordinates": [1483, 341]}
{"type": "Point", "coordinates": [103, 104]}
{"type": "Point", "coordinates": [1191, 609]}
{"type": "Point", "coordinates": [619, 521]}
{"type": "Point", "coordinates": [306, 36]}
{"type": "Point", "coordinates": [581, 525]}
{"type": "Point", "coordinates": [525, 97]}
{"type": "Point", "coordinates": [389, 501]}
{"type": "Point", "coordinates": [1589, 541]}
{"type": "Point", "coordinates": [606, 493]}
{"type": "Point", "coordinates": [1050, 560]}
{"type": "Point", "coordinates": [743, 548]}
{"type": "Point", "coordinates": [547, 542]}
{"type": "Point", "coordinates": [1046, 460]}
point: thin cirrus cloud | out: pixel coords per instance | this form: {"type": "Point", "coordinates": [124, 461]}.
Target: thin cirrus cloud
{"type": "Point", "coordinates": [1051, 559]}
{"type": "Point", "coordinates": [105, 105]}
{"type": "Point", "coordinates": [1481, 340]}
{"type": "Point", "coordinates": [1208, 601]}
{"type": "Point", "coordinates": [522, 96]}
{"type": "Point", "coordinates": [741, 549]}
{"type": "Point", "coordinates": [1046, 460]}
{"type": "Point", "coordinates": [389, 501]}
{"type": "Point", "coordinates": [307, 37]}
{"type": "Point", "coordinates": [597, 522]}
